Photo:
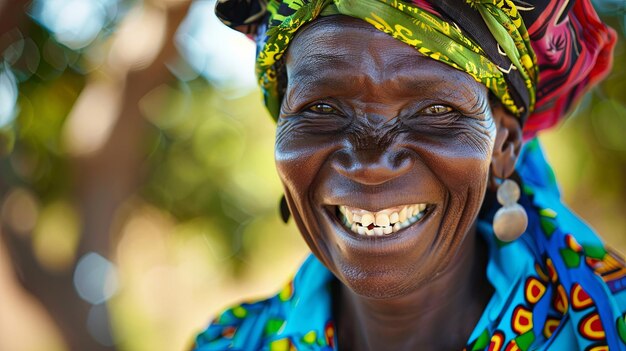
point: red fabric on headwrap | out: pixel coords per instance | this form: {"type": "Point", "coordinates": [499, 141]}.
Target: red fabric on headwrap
{"type": "Point", "coordinates": [425, 5]}
{"type": "Point", "coordinates": [574, 51]}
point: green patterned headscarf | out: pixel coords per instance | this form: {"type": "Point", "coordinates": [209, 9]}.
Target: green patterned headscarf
{"type": "Point", "coordinates": [431, 35]}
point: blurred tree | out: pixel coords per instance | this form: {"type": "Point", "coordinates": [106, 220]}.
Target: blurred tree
{"type": "Point", "coordinates": [95, 179]}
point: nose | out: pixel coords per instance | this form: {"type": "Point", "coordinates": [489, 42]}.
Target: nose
{"type": "Point", "coordinates": [373, 167]}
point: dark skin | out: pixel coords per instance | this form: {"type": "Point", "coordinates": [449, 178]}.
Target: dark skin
{"type": "Point", "coordinates": [368, 122]}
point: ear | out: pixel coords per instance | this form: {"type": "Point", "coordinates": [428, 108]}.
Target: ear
{"type": "Point", "coordinates": [508, 142]}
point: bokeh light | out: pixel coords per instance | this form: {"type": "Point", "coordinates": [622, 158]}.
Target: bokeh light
{"type": "Point", "coordinates": [56, 236]}
{"type": "Point", "coordinates": [74, 23]}
{"type": "Point", "coordinates": [8, 95]}
{"type": "Point", "coordinates": [207, 44]}
{"type": "Point", "coordinates": [95, 278]}
{"type": "Point", "coordinates": [138, 195]}
{"type": "Point", "coordinates": [20, 210]}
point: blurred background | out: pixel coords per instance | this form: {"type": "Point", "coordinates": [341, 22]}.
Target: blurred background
{"type": "Point", "coordinates": [138, 195]}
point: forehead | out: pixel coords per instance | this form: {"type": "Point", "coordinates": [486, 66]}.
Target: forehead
{"type": "Point", "coordinates": [337, 46]}
{"type": "Point", "coordinates": [340, 36]}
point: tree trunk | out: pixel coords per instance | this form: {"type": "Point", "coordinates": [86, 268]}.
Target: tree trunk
{"type": "Point", "coordinates": [102, 181]}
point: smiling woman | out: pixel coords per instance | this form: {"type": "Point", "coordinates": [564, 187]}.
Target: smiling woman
{"type": "Point", "coordinates": [394, 129]}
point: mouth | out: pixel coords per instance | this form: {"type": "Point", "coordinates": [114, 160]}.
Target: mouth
{"type": "Point", "coordinates": [385, 222]}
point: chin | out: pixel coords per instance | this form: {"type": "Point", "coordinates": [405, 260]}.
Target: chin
{"type": "Point", "coordinates": [389, 251]}
{"type": "Point", "coordinates": [390, 284]}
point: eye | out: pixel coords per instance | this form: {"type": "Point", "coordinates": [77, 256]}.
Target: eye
{"type": "Point", "coordinates": [437, 110]}
{"type": "Point", "coordinates": [322, 108]}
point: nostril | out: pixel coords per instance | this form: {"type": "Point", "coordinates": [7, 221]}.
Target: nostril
{"type": "Point", "coordinates": [402, 161]}
{"type": "Point", "coordinates": [372, 168]}
{"type": "Point", "coordinates": [343, 162]}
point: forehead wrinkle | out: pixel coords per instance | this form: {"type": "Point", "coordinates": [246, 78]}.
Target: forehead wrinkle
{"type": "Point", "coordinates": [417, 76]}
{"type": "Point", "coordinates": [312, 63]}
{"type": "Point", "coordinates": [319, 41]}
{"type": "Point", "coordinates": [309, 55]}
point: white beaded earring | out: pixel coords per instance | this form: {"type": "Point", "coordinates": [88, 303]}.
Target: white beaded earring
{"type": "Point", "coordinates": [511, 220]}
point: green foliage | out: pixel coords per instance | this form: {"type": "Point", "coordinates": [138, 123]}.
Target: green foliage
{"type": "Point", "coordinates": [211, 157]}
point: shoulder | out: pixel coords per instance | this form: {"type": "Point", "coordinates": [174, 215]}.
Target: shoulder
{"type": "Point", "coordinates": [239, 327]}
{"type": "Point", "coordinates": [300, 312]}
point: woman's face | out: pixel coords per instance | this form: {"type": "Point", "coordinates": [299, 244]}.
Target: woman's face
{"type": "Point", "coordinates": [371, 130]}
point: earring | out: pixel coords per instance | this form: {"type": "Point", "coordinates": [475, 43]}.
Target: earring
{"type": "Point", "coordinates": [511, 220]}
{"type": "Point", "coordinates": [284, 209]}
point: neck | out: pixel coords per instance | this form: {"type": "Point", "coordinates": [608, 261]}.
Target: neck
{"type": "Point", "coordinates": [451, 305]}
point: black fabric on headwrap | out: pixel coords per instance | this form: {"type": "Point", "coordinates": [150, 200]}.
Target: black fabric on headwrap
{"type": "Point", "coordinates": [243, 15]}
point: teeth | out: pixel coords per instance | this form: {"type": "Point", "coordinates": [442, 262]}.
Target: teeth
{"type": "Point", "coordinates": [402, 216]}
{"type": "Point", "coordinates": [382, 220]}
{"type": "Point", "coordinates": [381, 223]}
{"type": "Point", "coordinates": [367, 219]}
{"type": "Point", "coordinates": [394, 217]}
{"type": "Point", "coordinates": [348, 215]}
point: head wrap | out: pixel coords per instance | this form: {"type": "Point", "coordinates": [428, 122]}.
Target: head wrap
{"type": "Point", "coordinates": [538, 58]}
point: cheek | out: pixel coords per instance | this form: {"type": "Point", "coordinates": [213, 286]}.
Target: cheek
{"type": "Point", "coordinates": [461, 162]}
{"type": "Point", "coordinates": [299, 160]}
{"type": "Point", "coordinates": [300, 157]}
{"type": "Point", "coordinates": [463, 172]}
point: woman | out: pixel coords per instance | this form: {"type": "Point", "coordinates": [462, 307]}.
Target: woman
{"type": "Point", "coordinates": [397, 121]}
